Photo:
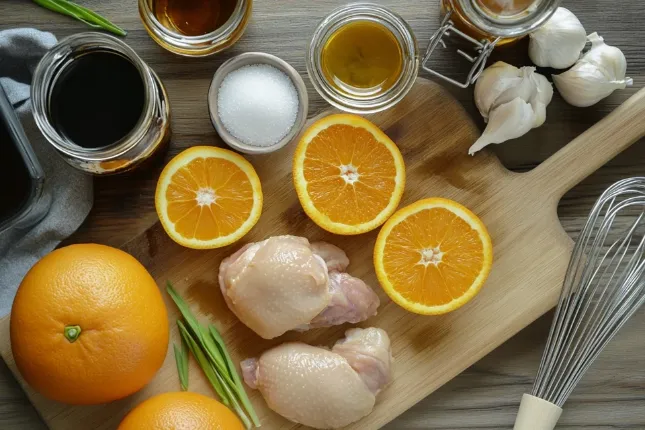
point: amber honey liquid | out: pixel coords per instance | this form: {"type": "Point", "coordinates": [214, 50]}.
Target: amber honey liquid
{"type": "Point", "coordinates": [499, 8]}
{"type": "Point", "coordinates": [362, 59]}
{"type": "Point", "coordinates": [193, 17]}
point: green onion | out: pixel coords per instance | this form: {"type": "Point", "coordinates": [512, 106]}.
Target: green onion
{"type": "Point", "coordinates": [181, 357]}
{"type": "Point", "coordinates": [203, 362]}
{"type": "Point", "coordinates": [233, 372]}
{"type": "Point", "coordinates": [209, 350]}
{"type": "Point", "coordinates": [81, 13]}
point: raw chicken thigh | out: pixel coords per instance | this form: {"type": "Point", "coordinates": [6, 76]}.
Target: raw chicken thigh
{"type": "Point", "coordinates": [285, 283]}
{"type": "Point", "coordinates": [321, 388]}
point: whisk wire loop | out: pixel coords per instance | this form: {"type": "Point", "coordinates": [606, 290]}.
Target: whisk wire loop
{"type": "Point", "coordinates": [603, 287]}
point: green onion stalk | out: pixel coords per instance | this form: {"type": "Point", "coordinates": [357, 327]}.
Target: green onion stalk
{"type": "Point", "coordinates": [208, 348]}
{"type": "Point", "coordinates": [181, 357]}
{"type": "Point", "coordinates": [81, 13]}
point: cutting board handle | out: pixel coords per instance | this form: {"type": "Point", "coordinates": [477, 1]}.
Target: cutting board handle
{"type": "Point", "coordinates": [593, 148]}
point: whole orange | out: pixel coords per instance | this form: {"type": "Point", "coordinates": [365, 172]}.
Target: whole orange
{"type": "Point", "coordinates": [181, 411]}
{"type": "Point", "coordinates": [88, 325]}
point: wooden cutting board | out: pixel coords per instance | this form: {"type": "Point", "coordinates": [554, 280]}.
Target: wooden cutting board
{"type": "Point", "coordinates": [434, 133]}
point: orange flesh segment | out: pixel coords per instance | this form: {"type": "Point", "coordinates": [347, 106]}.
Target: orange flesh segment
{"type": "Point", "coordinates": [226, 196]}
{"type": "Point", "coordinates": [432, 284]}
{"type": "Point", "coordinates": [345, 145]}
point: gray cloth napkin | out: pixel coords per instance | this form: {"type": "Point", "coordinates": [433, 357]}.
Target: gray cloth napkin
{"type": "Point", "coordinates": [69, 189]}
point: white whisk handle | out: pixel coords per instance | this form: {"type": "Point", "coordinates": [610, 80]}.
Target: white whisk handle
{"type": "Point", "coordinates": [536, 414]}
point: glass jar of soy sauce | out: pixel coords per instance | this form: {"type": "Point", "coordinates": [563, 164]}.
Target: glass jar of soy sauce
{"type": "Point", "coordinates": [102, 108]}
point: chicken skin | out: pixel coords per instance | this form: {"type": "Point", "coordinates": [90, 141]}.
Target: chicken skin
{"type": "Point", "coordinates": [285, 283]}
{"type": "Point", "coordinates": [321, 388]}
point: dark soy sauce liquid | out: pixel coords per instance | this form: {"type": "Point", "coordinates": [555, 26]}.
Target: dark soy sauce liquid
{"type": "Point", "coordinates": [13, 174]}
{"type": "Point", "coordinates": [97, 99]}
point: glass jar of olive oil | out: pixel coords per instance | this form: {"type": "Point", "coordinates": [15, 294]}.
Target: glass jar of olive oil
{"type": "Point", "coordinates": [99, 105]}
{"type": "Point", "coordinates": [195, 28]}
{"type": "Point", "coordinates": [363, 58]}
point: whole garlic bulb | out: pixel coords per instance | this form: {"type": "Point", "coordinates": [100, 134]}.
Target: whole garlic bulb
{"type": "Point", "coordinates": [597, 74]}
{"type": "Point", "coordinates": [512, 102]}
{"type": "Point", "coordinates": [559, 42]}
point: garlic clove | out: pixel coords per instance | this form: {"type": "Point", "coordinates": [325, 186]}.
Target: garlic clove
{"type": "Point", "coordinates": [512, 101]}
{"type": "Point", "coordinates": [523, 87]}
{"type": "Point", "coordinates": [596, 75]}
{"type": "Point", "coordinates": [493, 81]}
{"type": "Point", "coordinates": [559, 42]}
{"type": "Point", "coordinates": [508, 121]}
{"type": "Point", "coordinates": [540, 98]}
{"type": "Point", "coordinates": [609, 58]}
{"type": "Point", "coordinates": [585, 85]}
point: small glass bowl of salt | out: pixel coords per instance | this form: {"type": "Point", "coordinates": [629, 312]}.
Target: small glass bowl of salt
{"type": "Point", "coordinates": [257, 102]}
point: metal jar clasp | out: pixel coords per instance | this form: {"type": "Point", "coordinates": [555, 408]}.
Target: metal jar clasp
{"type": "Point", "coordinates": [482, 48]}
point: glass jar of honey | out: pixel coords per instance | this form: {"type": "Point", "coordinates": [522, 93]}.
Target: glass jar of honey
{"type": "Point", "coordinates": [99, 105]}
{"type": "Point", "coordinates": [195, 28]}
{"type": "Point", "coordinates": [485, 24]}
{"type": "Point", "coordinates": [363, 58]}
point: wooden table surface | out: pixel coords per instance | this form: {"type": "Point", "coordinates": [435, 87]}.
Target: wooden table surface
{"type": "Point", "coordinates": [611, 396]}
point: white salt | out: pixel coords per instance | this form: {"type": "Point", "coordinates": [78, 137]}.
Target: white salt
{"type": "Point", "coordinates": [258, 104]}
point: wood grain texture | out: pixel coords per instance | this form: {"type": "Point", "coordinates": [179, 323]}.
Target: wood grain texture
{"type": "Point", "coordinates": [519, 210]}
{"type": "Point", "coordinates": [428, 351]}
{"type": "Point", "coordinates": [487, 395]}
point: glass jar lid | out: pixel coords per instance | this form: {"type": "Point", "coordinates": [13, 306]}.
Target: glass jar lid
{"type": "Point", "coordinates": [504, 18]}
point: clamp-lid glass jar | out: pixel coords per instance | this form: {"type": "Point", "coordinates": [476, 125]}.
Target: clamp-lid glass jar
{"type": "Point", "coordinates": [486, 24]}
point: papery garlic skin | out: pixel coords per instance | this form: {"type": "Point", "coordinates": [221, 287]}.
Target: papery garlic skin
{"type": "Point", "coordinates": [559, 42]}
{"type": "Point", "coordinates": [541, 98]}
{"type": "Point", "coordinates": [596, 75]}
{"type": "Point", "coordinates": [493, 81]}
{"type": "Point", "coordinates": [512, 101]}
{"type": "Point", "coordinates": [585, 85]}
{"type": "Point", "coordinates": [605, 56]}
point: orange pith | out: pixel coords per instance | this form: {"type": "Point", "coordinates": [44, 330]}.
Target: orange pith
{"type": "Point", "coordinates": [348, 174]}
{"type": "Point", "coordinates": [433, 256]}
{"type": "Point", "coordinates": [208, 197]}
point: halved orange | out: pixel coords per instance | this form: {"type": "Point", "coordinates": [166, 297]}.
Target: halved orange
{"type": "Point", "coordinates": [433, 256]}
{"type": "Point", "coordinates": [208, 197]}
{"type": "Point", "coordinates": [348, 174]}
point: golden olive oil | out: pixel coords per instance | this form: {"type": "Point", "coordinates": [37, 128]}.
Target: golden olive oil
{"type": "Point", "coordinates": [362, 58]}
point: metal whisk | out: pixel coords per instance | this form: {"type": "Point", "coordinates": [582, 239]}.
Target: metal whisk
{"type": "Point", "coordinates": [603, 287]}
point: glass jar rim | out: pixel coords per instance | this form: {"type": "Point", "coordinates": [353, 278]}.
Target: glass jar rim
{"type": "Point", "coordinates": [508, 26]}
{"type": "Point", "coordinates": [188, 43]}
{"type": "Point", "coordinates": [363, 12]}
{"type": "Point", "coordinates": [59, 58]}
